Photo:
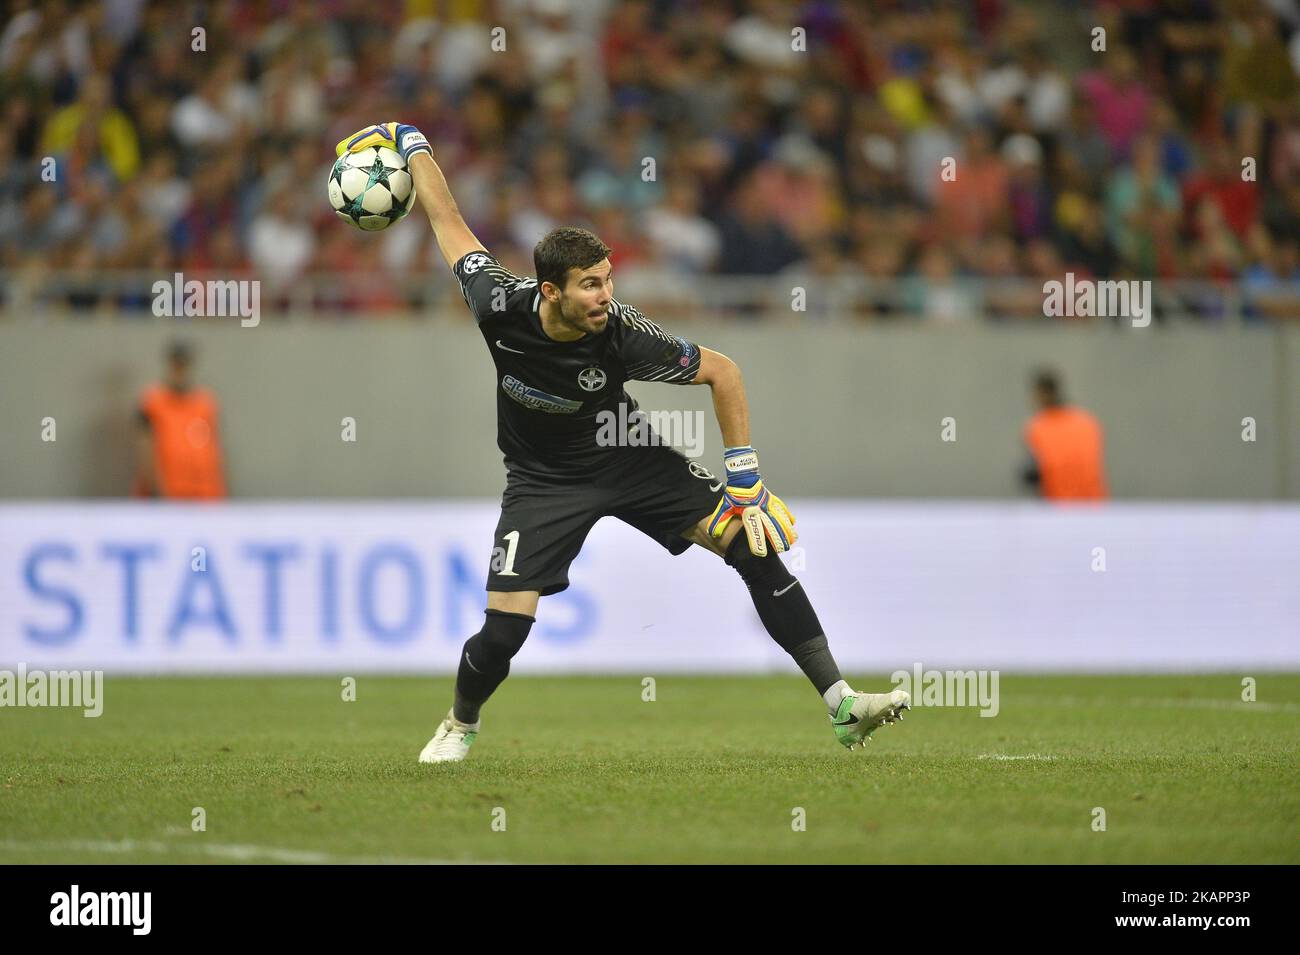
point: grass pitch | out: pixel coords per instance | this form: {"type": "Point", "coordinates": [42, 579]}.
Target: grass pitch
{"type": "Point", "coordinates": [712, 771]}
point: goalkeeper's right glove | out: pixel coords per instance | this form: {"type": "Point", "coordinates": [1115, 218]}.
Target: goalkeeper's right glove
{"type": "Point", "coordinates": [402, 137]}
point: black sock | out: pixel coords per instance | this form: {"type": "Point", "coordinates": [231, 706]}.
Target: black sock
{"type": "Point", "coordinates": [786, 612]}
{"type": "Point", "coordinates": [814, 658]}
{"type": "Point", "coordinates": [485, 661]}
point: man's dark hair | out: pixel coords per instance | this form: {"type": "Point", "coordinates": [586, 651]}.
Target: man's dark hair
{"type": "Point", "coordinates": [1048, 384]}
{"type": "Point", "coordinates": [180, 352]}
{"type": "Point", "coordinates": [564, 249]}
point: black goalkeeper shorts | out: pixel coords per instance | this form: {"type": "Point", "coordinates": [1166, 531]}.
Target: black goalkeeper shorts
{"type": "Point", "coordinates": [544, 521]}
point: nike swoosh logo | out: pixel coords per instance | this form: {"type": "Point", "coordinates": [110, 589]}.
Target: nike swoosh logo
{"type": "Point", "coordinates": [777, 593]}
{"type": "Point", "coordinates": [715, 487]}
{"type": "Point", "coordinates": [508, 348]}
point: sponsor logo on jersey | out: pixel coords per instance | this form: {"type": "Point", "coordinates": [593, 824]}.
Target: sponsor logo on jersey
{"type": "Point", "coordinates": [505, 347]}
{"type": "Point", "coordinates": [531, 397]}
{"type": "Point", "coordinates": [591, 379]}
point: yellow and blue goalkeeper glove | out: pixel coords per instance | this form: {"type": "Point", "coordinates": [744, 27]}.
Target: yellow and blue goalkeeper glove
{"type": "Point", "coordinates": [763, 515]}
{"type": "Point", "coordinates": [400, 137]}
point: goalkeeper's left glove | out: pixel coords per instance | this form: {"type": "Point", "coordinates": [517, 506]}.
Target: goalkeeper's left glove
{"type": "Point", "coordinates": [763, 515]}
{"type": "Point", "coordinates": [401, 137]}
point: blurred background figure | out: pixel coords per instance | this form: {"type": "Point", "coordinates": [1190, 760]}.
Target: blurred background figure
{"type": "Point", "coordinates": [1065, 444]}
{"type": "Point", "coordinates": [179, 448]}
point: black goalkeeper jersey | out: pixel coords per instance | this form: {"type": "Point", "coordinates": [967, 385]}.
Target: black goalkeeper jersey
{"type": "Point", "coordinates": [550, 394]}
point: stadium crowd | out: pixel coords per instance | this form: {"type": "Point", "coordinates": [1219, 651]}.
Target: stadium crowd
{"type": "Point", "coordinates": [197, 138]}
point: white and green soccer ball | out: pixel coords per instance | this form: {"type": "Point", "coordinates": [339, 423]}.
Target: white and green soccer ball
{"type": "Point", "coordinates": [371, 188]}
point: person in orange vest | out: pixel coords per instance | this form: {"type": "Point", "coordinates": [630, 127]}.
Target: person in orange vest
{"type": "Point", "coordinates": [1066, 446]}
{"type": "Point", "coordinates": [179, 448]}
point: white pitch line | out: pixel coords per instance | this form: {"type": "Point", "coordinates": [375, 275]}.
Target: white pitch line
{"type": "Point", "coordinates": [225, 850]}
{"type": "Point", "coordinates": [1004, 756]}
{"type": "Point", "coordinates": [1160, 703]}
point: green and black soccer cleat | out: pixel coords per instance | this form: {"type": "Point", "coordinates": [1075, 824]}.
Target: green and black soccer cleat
{"type": "Point", "coordinates": [861, 714]}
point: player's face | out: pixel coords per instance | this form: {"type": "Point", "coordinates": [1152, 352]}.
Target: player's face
{"type": "Point", "coordinates": [584, 305]}
{"type": "Point", "coordinates": [178, 373]}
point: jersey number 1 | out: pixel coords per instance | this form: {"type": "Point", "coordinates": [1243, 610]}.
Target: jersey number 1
{"type": "Point", "coordinates": [508, 566]}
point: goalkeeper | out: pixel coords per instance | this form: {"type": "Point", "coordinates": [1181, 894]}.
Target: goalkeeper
{"type": "Point", "coordinates": [563, 347]}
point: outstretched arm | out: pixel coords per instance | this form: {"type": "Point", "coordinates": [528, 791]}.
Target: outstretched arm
{"type": "Point", "coordinates": [453, 235]}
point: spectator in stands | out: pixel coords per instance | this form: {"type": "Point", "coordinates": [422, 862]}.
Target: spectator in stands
{"type": "Point", "coordinates": [1140, 201]}
{"type": "Point", "coordinates": [685, 239]}
{"type": "Point", "coordinates": [975, 201]}
{"type": "Point", "coordinates": [1086, 247]}
{"type": "Point", "coordinates": [1221, 183]}
{"type": "Point", "coordinates": [1256, 68]}
{"type": "Point", "coordinates": [109, 129]}
{"type": "Point", "coordinates": [753, 241]}
{"type": "Point", "coordinates": [1120, 99]}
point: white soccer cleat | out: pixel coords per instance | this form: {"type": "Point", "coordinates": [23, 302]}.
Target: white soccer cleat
{"type": "Point", "coordinates": [451, 742]}
{"type": "Point", "coordinates": [861, 714]}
